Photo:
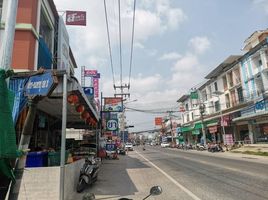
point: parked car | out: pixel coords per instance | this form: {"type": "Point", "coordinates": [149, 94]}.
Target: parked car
{"type": "Point", "coordinates": [129, 146]}
{"type": "Point", "coordinates": [262, 138]}
{"type": "Point", "coordinates": [164, 145]}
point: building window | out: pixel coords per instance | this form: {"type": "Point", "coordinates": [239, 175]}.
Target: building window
{"type": "Point", "coordinates": [186, 107]}
{"type": "Point", "coordinates": [204, 95]}
{"type": "Point", "coordinates": [240, 95]}
{"type": "Point", "coordinates": [225, 86]}
{"type": "Point", "coordinates": [45, 30]}
{"type": "Point", "coordinates": [227, 100]}
{"type": "Point", "coordinates": [209, 92]}
{"type": "Point", "coordinates": [217, 106]}
{"type": "Point", "coordinates": [216, 86]}
{"type": "Point", "coordinates": [188, 118]}
{"type": "Point", "coordinates": [192, 116]}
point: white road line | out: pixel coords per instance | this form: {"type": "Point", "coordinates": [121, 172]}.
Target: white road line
{"type": "Point", "coordinates": [171, 179]}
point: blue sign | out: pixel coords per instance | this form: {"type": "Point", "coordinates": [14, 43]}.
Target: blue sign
{"type": "Point", "coordinates": [39, 85]}
{"type": "Point", "coordinates": [89, 91]}
{"type": "Point", "coordinates": [259, 106]}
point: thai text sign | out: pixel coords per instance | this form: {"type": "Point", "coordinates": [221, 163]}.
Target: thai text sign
{"type": "Point", "coordinates": [76, 18]}
{"type": "Point", "coordinates": [112, 125]}
{"type": "Point", "coordinates": [39, 85]}
{"type": "Point", "coordinates": [113, 104]}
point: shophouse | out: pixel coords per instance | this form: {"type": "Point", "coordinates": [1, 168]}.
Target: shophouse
{"type": "Point", "coordinates": [254, 70]}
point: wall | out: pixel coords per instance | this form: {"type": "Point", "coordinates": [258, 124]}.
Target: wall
{"type": "Point", "coordinates": [42, 183]}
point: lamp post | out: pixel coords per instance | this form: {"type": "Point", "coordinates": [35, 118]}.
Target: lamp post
{"type": "Point", "coordinates": [217, 94]}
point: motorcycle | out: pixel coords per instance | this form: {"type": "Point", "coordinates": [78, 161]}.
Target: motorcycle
{"type": "Point", "coordinates": [88, 173]}
{"type": "Point", "coordinates": [215, 148]}
{"type": "Point", "coordinates": [154, 191]}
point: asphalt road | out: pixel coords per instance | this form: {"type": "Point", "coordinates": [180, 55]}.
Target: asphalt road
{"type": "Point", "coordinates": [182, 175]}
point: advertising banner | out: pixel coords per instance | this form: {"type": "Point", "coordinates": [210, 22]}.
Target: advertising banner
{"type": "Point", "coordinates": [63, 47]}
{"type": "Point", "coordinates": [112, 124]}
{"type": "Point", "coordinates": [113, 104]}
{"type": "Point", "coordinates": [158, 121]}
{"type": "Point", "coordinates": [77, 18]}
{"type": "Point", "coordinates": [96, 87]}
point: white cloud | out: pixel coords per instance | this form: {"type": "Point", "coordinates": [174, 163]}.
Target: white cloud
{"type": "Point", "coordinates": [199, 44]}
{"type": "Point", "coordinates": [170, 56]}
{"type": "Point", "coordinates": [138, 45]}
{"type": "Point", "coordinates": [187, 72]}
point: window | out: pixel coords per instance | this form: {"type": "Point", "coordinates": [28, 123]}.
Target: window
{"type": "Point", "coordinates": [204, 95]}
{"type": "Point", "coordinates": [45, 30]}
{"type": "Point", "coordinates": [225, 86]}
{"type": "Point", "coordinates": [216, 86]}
{"type": "Point", "coordinates": [209, 92]}
{"type": "Point", "coordinates": [186, 107]}
{"type": "Point", "coordinates": [192, 116]}
{"type": "Point", "coordinates": [188, 119]}
{"type": "Point", "coordinates": [217, 106]}
{"type": "Point", "coordinates": [240, 95]}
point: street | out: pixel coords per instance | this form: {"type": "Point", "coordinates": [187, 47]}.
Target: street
{"type": "Point", "coordinates": [182, 175]}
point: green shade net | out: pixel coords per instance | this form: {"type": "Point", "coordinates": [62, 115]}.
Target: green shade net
{"type": "Point", "coordinates": [8, 147]}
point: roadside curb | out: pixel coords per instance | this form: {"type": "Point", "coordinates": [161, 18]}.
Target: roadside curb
{"type": "Point", "coordinates": [229, 155]}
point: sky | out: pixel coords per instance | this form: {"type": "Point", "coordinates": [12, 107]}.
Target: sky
{"type": "Point", "coordinates": [176, 43]}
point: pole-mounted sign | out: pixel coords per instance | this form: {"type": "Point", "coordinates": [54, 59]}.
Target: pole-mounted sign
{"type": "Point", "coordinates": [40, 85]}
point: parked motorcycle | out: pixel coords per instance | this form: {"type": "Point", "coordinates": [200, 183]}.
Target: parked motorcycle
{"type": "Point", "coordinates": [201, 147]}
{"type": "Point", "coordinates": [88, 173]}
{"type": "Point", "coordinates": [154, 191]}
{"type": "Point", "coordinates": [215, 148]}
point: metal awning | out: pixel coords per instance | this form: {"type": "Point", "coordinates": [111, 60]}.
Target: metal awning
{"type": "Point", "coordinates": [250, 116]}
{"type": "Point", "coordinates": [52, 105]}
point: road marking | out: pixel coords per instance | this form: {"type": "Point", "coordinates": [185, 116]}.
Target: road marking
{"type": "Point", "coordinates": [171, 179]}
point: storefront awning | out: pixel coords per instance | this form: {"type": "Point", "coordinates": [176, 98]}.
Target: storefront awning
{"type": "Point", "coordinates": [250, 116]}
{"type": "Point", "coordinates": [186, 129]}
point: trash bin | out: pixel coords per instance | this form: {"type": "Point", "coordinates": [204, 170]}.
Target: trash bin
{"type": "Point", "coordinates": [36, 159]}
{"type": "Point", "coordinates": [54, 158]}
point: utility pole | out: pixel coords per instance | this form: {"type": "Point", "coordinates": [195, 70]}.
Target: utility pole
{"type": "Point", "coordinates": [171, 127]}
{"type": "Point", "coordinates": [202, 110]}
{"type": "Point", "coordinates": [9, 33]}
{"type": "Point", "coordinates": [122, 94]}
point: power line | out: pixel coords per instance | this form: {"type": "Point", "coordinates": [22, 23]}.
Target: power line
{"type": "Point", "coordinates": [120, 45]}
{"type": "Point", "coordinates": [132, 40]}
{"type": "Point", "coordinates": [109, 42]}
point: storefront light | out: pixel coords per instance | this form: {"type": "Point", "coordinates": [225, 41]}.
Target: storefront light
{"type": "Point", "coordinates": [80, 108]}
{"type": "Point", "coordinates": [73, 99]}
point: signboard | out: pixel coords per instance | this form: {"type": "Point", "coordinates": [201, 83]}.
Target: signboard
{"type": "Point", "coordinates": [260, 106]}
{"type": "Point", "coordinates": [40, 85]}
{"type": "Point", "coordinates": [229, 139]}
{"type": "Point", "coordinates": [225, 120]}
{"type": "Point", "coordinates": [63, 47]}
{"type": "Point", "coordinates": [78, 18]}
{"type": "Point", "coordinates": [158, 121]}
{"type": "Point", "coordinates": [90, 72]}
{"type": "Point", "coordinates": [112, 125]}
{"type": "Point", "coordinates": [113, 104]}
{"type": "Point", "coordinates": [89, 91]}
{"type": "Point", "coordinates": [96, 87]}
{"type": "Point", "coordinates": [194, 95]}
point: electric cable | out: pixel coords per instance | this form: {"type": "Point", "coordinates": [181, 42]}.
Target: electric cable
{"type": "Point", "coordinates": [132, 41]}
{"type": "Point", "coordinates": [109, 41]}
{"type": "Point", "coordinates": [120, 45]}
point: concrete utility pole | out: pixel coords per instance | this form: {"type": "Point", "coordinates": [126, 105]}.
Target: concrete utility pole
{"type": "Point", "coordinates": [9, 33]}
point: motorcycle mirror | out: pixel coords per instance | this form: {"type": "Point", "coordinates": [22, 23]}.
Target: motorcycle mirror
{"type": "Point", "coordinates": [155, 190]}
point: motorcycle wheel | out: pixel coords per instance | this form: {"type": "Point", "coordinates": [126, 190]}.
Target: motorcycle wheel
{"type": "Point", "coordinates": [81, 185]}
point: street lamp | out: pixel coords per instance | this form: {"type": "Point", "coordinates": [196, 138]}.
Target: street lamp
{"type": "Point", "coordinates": [217, 94]}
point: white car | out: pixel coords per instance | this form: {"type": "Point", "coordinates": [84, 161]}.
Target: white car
{"type": "Point", "coordinates": [129, 146]}
{"type": "Point", "coordinates": [164, 145]}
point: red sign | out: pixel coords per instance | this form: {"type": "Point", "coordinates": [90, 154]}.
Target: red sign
{"type": "Point", "coordinates": [158, 121]}
{"type": "Point", "coordinates": [78, 18]}
{"type": "Point", "coordinates": [225, 120]}
{"type": "Point", "coordinates": [96, 87]}
{"type": "Point", "coordinates": [90, 72]}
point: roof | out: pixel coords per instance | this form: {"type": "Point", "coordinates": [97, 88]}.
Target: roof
{"type": "Point", "coordinates": [183, 98]}
{"type": "Point", "coordinates": [249, 42]}
{"type": "Point", "coordinates": [225, 65]}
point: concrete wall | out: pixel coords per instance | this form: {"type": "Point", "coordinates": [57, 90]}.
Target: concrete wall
{"type": "Point", "coordinates": [43, 183]}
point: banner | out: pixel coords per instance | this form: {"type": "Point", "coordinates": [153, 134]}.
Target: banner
{"type": "Point", "coordinates": [78, 18]}
{"type": "Point", "coordinates": [90, 72]}
{"type": "Point", "coordinates": [96, 87]}
{"type": "Point", "coordinates": [158, 121]}
{"type": "Point", "coordinates": [113, 104]}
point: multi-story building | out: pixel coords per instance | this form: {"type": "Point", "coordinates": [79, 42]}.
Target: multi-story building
{"type": "Point", "coordinates": [235, 97]}
{"type": "Point", "coordinates": [254, 68]}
